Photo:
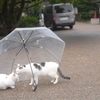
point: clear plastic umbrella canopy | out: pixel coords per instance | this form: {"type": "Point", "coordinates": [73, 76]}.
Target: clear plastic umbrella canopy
{"type": "Point", "coordinates": [25, 45]}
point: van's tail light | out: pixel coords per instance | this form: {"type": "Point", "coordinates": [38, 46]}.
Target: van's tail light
{"type": "Point", "coordinates": [74, 15]}
{"type": "Point", "coordinates": [53, 16]}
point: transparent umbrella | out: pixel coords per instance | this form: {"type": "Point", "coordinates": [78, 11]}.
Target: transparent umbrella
{"type": "Point", "coordinates": [24, 45]}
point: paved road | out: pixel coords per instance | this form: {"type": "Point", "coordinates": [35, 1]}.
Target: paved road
{"type": "Point", "coordinates": [81, 61]}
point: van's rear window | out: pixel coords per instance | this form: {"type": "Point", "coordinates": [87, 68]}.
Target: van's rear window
{"type": "Point", "coordinates": [63, 8]}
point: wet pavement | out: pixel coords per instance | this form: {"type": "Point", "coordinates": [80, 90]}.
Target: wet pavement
{"type": "Point", "coordinates": [80, 61]}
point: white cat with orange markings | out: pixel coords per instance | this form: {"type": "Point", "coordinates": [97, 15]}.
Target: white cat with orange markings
{"type": "Point", "coordinates": [8, 81]}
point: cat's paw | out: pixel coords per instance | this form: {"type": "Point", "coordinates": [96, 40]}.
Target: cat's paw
{"type": "Point", "coordinates": [55, 82]}
{"type": "Point", "coordinates": [52, 81]}
{"type": "Point", "coordinates": [12, 87]}
{"type": "Point", "coordinates": [30, 83]}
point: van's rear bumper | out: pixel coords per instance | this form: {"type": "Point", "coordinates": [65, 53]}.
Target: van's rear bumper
{"type": "Point", "coordinates": [65, 24]}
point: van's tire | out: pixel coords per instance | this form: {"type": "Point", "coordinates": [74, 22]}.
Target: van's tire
{"type": "Point", "coordinates": [62, 26]}
{"type": "Point", "coordinates": [53, 26]}
{"type": "Point", "coordinates": [71, 26]}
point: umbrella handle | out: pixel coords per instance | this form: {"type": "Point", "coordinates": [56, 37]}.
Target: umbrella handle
{"type": "Point", "coordinates": [34, 87]}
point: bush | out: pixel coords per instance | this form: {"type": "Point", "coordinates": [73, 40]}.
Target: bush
{"type": "Point", "coordinates": [84, 16]}
{"type": "Point", "coordinates": [27, 21]}
{"type": "Point", "coordinates": [86, 9]}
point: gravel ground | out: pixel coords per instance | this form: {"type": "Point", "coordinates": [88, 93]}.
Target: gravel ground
{"type": "Point", "coordinates": [81, 61]}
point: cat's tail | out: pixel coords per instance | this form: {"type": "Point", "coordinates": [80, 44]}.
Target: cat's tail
{"type": "Point", "coordinates": [61, 74]}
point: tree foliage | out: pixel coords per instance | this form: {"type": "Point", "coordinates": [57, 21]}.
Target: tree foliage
{"type": "Point", "coordinates": [86, 9]}
{"type": "Point", "coordinates": [11, 11]}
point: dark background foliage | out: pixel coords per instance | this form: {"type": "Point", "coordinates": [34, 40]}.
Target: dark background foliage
{"type": "Point", "coordinates": [11, 12]}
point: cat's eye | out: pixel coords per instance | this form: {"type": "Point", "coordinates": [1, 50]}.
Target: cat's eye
{"type": "Point", "coordinates": [24, 65]}
{"type": "Point", "coordinates": [20, 67]}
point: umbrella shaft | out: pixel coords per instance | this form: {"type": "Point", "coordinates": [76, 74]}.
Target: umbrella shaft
{"type": "Point", "coordinates": [29, 59]}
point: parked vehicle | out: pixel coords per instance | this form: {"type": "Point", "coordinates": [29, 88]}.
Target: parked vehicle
{"type": "Point", "coordinates": [41, 19]}
{"type": "Point", "coordinates": [59, 15]}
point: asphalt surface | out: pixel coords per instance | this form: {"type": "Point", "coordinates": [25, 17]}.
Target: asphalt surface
{"type": "Point", "coordinates": [80, 61]}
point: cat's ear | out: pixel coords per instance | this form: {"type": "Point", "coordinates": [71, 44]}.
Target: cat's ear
{"type": "Point", "coordinates": [13, 72]}
{"type": "Point", "coordinates": [18, 65]}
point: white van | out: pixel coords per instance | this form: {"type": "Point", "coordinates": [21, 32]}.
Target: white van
{"type": "Point", "coordinates": [41, 19]}
{"type": "Point", "coordinates": [59, 15]}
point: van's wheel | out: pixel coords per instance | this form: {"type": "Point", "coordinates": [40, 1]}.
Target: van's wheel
{"type": "Point", "coordinates": [62, 26]}
{"type": "Point", "coordinates": [53, 26]}
{"type": "Point", "coordinates": [71, 26]}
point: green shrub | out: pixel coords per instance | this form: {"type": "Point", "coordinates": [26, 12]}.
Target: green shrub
{"type": "Point", "coordinates": [86, 9]}
{"type": "Point", "coordinates": [84, 15]}
{"type": "Point", "coordinates": [27, 21]}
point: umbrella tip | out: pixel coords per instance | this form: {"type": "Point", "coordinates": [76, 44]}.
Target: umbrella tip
{"type": "Point", "coordinates": [34, 87]}
{"type": "Point", "coordinates": [41, 47]}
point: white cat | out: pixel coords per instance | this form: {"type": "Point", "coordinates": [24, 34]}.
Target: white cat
{"type": "Point", "coordinates": [42, 69]}
{"type": "Point", "coordinates": [8, 81]}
